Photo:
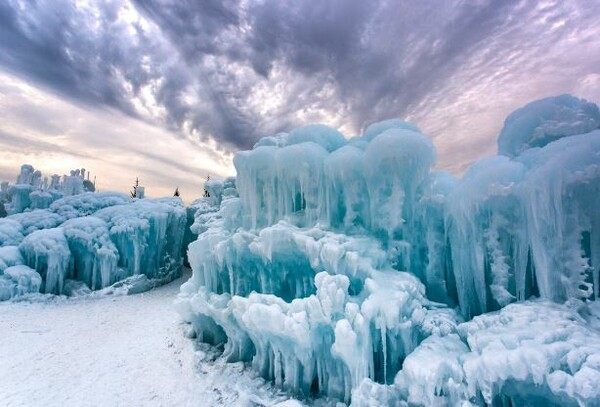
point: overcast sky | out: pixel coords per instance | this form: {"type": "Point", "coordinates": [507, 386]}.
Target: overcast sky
{"type": "Point", "coordinates": [167, 90]}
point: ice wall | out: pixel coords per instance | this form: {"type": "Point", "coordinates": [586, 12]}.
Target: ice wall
{"type": "Point", "coordinates": [345, 267]}
{"type": "Point", "coordinates": [97, 239]}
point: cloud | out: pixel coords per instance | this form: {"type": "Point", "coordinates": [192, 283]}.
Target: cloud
{"type": "Point", "coordinates": [225, 72]}
{"type": "Point", "coordinates": [52, 42]}
{"type": "Point", "coordinates": [116, 154]}
{"type": "Point", "coordinates": [13, 143]}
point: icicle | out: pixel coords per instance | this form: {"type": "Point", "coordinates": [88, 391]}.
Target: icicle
{"type": "Point", "coordinates": [383, 331]}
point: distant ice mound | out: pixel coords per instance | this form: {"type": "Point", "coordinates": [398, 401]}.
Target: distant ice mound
{"type": "Point", "coordinates": [91, 241]}
{"type": "Point", "coordinates": [346, 268]}
{"type": "Point", "coordinates": [546, 120]}
{"type": "Point", "coordinates": [33, 191]}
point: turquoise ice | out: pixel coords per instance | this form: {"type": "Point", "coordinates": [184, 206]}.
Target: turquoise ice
{"type": "Point", "coordinates": [347, 268]}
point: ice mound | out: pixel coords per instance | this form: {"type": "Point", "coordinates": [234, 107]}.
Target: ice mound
{"type": "Point", "coordinates": [10, 256]}
{"type": "Point", "coordinates": [37, 219]}
{"type": "Point", "coordinates": [87, 203]}
{"type": "Point", "coordinates": [47, 251]}
{"type": "Point", "coordinates": [148, 235]}
{"type": "Point", "coordinates": [95, 256]}
{"type": "Point", "coordinates": [532, 351]}
{"type": "Point", "coordinates": [18, 280]}
{"type": "Point", "coordinates": [528, 226]}
{"type": "Point", "coordinates": [345, 268]}
{"type": "Point", "coordinates": [15, 227]}
{"type": "Point", "coordinates": [11, 232]}
{"type": "Point", "coordinates": [97, 239]}
{"type": "Point", "coordinates": [547, 120]}
{"type": "Point", "coordinates": [33, 191]}
{"type": "Point", "coordinates": [305, 289]}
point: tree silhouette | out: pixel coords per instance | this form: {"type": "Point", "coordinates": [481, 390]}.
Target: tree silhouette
{"type": "Point", "coordinates": [176, 192]}
{"type": "Point", "coordinates": [206, 194]}
{"type": "Point", "coordinates": [134, 190]}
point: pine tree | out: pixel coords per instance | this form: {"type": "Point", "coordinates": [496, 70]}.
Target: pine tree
{"type": "Point", "coordinates": [134, 190]}
{"type": "Point", "coordinates": [206, 194]}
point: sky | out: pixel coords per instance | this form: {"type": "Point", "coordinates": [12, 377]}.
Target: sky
{"type": "Point", "coordinates": [169, 90]}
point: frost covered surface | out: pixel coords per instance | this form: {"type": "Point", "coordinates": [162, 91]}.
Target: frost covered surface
{"type": "Point", "coordinates": [115, 351]}
{"type": "Point", "coordinates": [19, 280]}
{"type": "Point", "coordinates": [345, 268]}
{"type": "Point", "coordinates": [94, 240]}
{"type": "Point", "coordinates": [538, 350]}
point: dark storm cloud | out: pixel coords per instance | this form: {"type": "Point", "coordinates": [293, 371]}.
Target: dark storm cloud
{"type": "Point", "coordinates": [48, 42]}
{"type": "Point", "coordinates": [193, 25]}
{"type": "Point", "coordinates": [214, 66]}
{"type": "Point", "coordinates": [382, 56]}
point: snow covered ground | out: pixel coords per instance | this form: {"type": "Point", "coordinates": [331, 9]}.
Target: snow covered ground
{"type": "Point", "coordinates": [115, 351]}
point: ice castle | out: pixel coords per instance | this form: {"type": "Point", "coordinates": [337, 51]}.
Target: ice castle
{"type": "Point", "coordinates": [348, 269]}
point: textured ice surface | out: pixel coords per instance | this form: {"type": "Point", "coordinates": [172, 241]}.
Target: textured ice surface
{"type": "Point", "coordinates": [97, 239]}
{"type": "Point", "coordinates": [47, 251]}
{"type": "Point", "coordinates": [87, 203]}
{"type": "Point", "coordinates": [346, 268]}
{"type": "Point", "coordinates": [95, 256]}
{"type": "Point", "coordinates": [11, 232]}
{"type": "Point", "coordinates": [19, 280]}
{"type": "Point", "coordinates": [534, 351]}
{"type": "Point", "coordinates": [547, 120]}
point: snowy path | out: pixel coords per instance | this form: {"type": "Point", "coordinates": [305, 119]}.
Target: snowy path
{"type": "Point", "coordinates": [113, 351]}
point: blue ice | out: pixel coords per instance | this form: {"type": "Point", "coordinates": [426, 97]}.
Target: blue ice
{"type": "Point", "coordinates": [347, 268]}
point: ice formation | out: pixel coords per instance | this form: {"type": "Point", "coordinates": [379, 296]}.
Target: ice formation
{"type": "Point", "coordinates": [346, 268]}
{"type": "Point", "coordinates": [91, 241]}
{"type": "Point", "coordinates": [31, 191]}
{"type": "Point", "coordinates": [547, 120]}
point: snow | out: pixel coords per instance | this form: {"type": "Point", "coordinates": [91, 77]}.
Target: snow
{"type": "Point", "coordinates": [116, 351]}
